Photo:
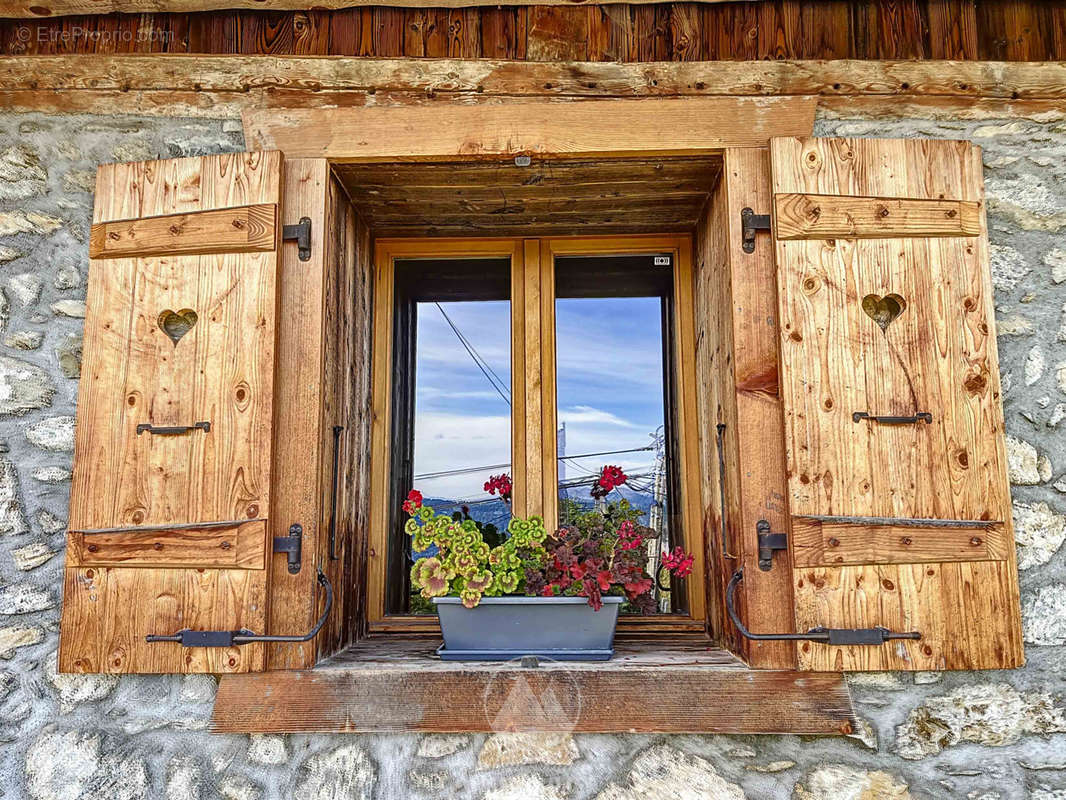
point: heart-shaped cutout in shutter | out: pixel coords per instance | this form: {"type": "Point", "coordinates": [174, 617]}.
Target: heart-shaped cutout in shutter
{"type": "Point", "coordinates": [883, 310]}
{"type": "Point", "coordinates": [176, 324]}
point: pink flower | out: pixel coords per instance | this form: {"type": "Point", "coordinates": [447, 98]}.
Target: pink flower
{"type": "Point", "coordinates": [679, 562]}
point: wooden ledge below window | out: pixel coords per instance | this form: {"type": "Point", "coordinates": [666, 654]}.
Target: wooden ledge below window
{"type": "Point", "coordinates": [398, 684]}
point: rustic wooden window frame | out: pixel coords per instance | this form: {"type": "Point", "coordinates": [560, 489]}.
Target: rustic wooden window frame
{"type": "Point", "coordinates": [533, 418]}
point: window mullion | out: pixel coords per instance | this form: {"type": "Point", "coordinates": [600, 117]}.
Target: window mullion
{"type": "Point", "coordinates": [533, 381]}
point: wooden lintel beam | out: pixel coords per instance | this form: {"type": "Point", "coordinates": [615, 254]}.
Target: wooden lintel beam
{"type": "Point", "coordinates": [319, 74]}
{"type": "Point", "coordinates": [224, 86]}
{"type": "Point", "coordinates": [655, 125]}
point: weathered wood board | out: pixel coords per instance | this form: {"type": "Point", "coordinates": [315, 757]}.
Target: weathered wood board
{"type": "Point", "coordinates": [898, 326]}
{"type": "Point", "coordinates": [172, 340]}
{"type": "Point", "coordinates": [393, 684]}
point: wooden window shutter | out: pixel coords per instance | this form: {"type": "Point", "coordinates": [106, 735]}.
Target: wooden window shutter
{"type": "Point", "coordinates": [170, 502]}
{"type": "Point", "coordinates": [899, 505]}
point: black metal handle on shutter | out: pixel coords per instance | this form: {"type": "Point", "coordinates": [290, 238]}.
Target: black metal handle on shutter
{"type": "Point", "coordinates": [190, 638]}
{"type": "Point", "coordinates": [172, 430]}
{"type": "Point", "coordinates": [720, 430]}
{"type": "Point", "coordinates": [921, 416]}
{"type": "Point", "coordinates": [337, 429]}
{"type": "Point", "coordinates": [830, 636]}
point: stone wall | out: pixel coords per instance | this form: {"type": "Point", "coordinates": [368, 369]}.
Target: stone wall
{"type": "Point", "coordinates": [926, 735]}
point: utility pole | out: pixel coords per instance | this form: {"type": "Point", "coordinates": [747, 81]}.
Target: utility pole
{"type": "Point", "coordinates": [656, 516]}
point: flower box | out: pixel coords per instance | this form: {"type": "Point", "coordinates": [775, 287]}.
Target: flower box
{"type": "Point", "coordinates": [502, 628]}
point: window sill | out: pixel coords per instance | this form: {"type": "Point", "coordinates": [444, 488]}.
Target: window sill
{"type": "Point", "coordinates": [652, 685]}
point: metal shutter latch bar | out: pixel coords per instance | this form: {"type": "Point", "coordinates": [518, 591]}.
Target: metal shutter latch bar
{"type": "Point", "coordinates": [189, 638]}
{"type": "Point", "coordinates": [830, 636]}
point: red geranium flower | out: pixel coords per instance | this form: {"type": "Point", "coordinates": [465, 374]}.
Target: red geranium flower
{"type": "Point", "coordinates": [611, 477]}
{"type": "Point", "coordinates": [499, 484]}
{"type": "Point", "coordinates": [678, 562]}
{"type": "Point", "coordinates": [413, 501]}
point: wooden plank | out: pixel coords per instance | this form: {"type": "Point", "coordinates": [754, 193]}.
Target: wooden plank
{"type": "Point", "coordinates": [243, 74]}
{"type": "Point", "coordinates": [22, 9]}
{"type": "Point", "coordinates": [743, 320]}
{"type": "Point", "coordinates": [645, 127]}
{"type": "Point", "coordinates": [823, 216]}
{"type": "Point", "coordinates": [108, 611]}
{"type": "Point", "coordinates": [665, 689]}
{"type": "Point", "coordinates": [557, 33]}
{"type": "Point", "coordinates": [952, 29]}
{"type": "Point", "coordinates": [240, 546]}
{"type": "Point", "coordinates": [966, 619]}
{"type": "Point", "coordinates": [863, 354]}
{"type": "Point", "coordinates": [229, 230]}
{"type": "Point", "coordinates": [826, 543]}
{"type": "Point", "coordinates": [222, 86]}
{"type": "Point", "coordinates": [220, 370]}
{"type": "Point", "coordinates": [299, 438]}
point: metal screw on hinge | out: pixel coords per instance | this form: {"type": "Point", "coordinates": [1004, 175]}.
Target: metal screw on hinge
{"type": "Point", "coordinates": [522, 161]}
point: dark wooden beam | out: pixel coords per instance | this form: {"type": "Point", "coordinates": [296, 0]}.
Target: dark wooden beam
{"type": "Point", "coordinates": [388, 684]}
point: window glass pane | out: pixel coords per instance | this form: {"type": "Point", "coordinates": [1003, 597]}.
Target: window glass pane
{"type": "Point", "coordinates": [452, 430]}
{"type": "Point", "coordinates": [612, 382]}
{"type": "Point", "coordinates": [463, 405]}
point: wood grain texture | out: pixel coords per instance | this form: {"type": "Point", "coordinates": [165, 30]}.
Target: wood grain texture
{"type": "Point", "coordinates": [549, 197]}
{"type": "Point", "coordinates": [231, 230]}
{"type": "Point", "coordinates": [737, 355]}
{"type": "Point", "coordinates": [396, 685]}
{"type": "Point", "coordinates": [324, 340]}
{"type": "Point", "coordinates": [1022, 30]}
{"type": "Point", "coordinates": [826, 543]}
{"type": "Point", "coordinates": [493, 78]}
{"type": "Point", "coordinates": [964, 610]}
{"type": "Point", "coordinates": [936, 355]}
{"type": "Point", "coordinates": [823, 216]}
{"type": "Point", "coordinates": [107, 612]}
{"type": "Point", "coordinates": [56, 8]}
{"type": "Point", "coordinates": [240, 546]}
{"type": "Point", "coordinates": [222, 86]}
{"type": "Point", "coordinates": [299, 439]}
{"type": "Point", "coordinates": [645, 127]}
{"type": "Point", "coordinates": [349, 358]}
{"type": "Point", "coordinates": [220, 371]}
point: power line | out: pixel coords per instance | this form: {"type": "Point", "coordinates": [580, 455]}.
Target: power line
{"type": "Point", "coordinates": [484, 367]}
{"type": "Point", "coordinates": [481, 468]}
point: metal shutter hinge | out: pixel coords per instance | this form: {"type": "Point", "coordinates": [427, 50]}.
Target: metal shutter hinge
{"type": "Point", "coordinates": [301, 234]}
{"type": "Point", "coordinates": [750, 222]}
{"type": "Point", "coordinates": [292, 546]}
{"type": "Point", "coordinates": [768, 543]}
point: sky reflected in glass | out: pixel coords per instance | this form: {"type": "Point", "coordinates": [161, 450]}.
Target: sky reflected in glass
{"type": "Point", "coordinates": [462, 414]}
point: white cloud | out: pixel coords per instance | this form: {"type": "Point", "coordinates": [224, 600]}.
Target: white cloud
{"type": "Point", "coordinates": [588, 416]}
{"type": "Point", "coordinates": [454, 441]}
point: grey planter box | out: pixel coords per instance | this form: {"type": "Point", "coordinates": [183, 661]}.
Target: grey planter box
{"type": "Point", "coordinates": [502, 628]}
